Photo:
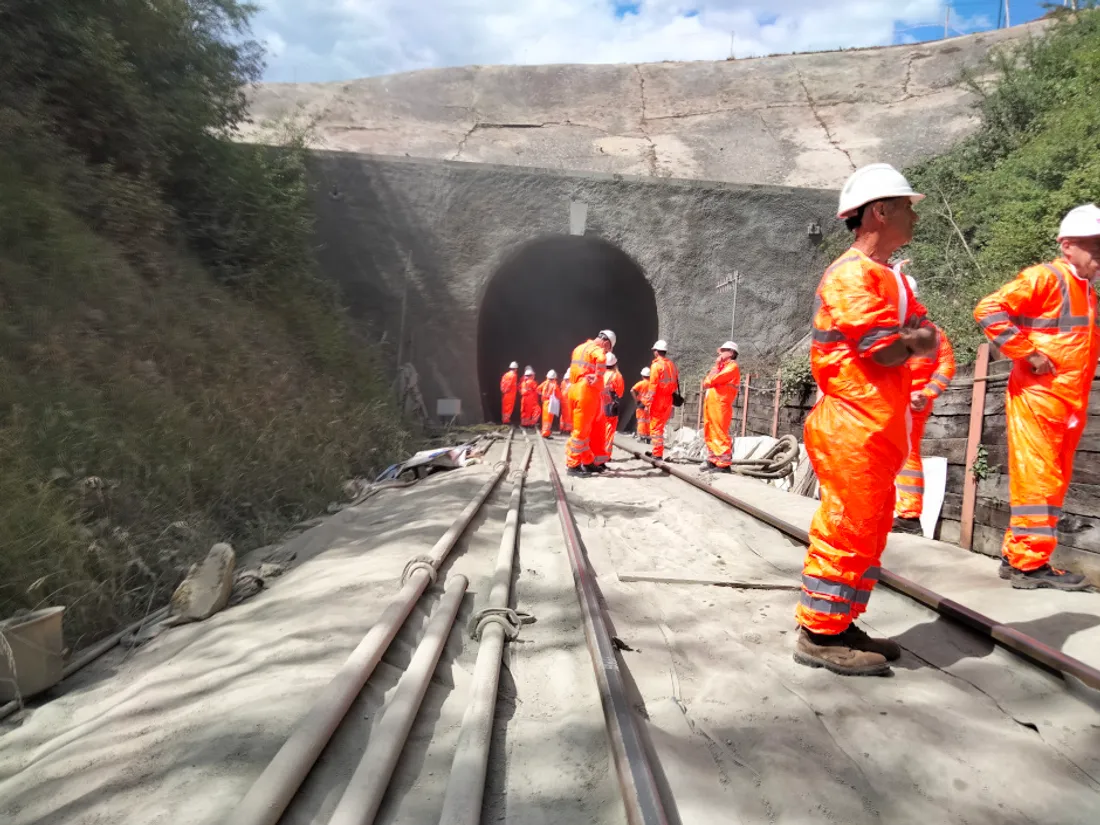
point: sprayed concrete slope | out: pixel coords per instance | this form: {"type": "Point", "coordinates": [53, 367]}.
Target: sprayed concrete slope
{"type": "Point", "coordinates": [792, 120]}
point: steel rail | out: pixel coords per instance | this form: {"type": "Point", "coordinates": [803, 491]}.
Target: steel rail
{"type": "Point", "coordinates": [1027, 647]}
{"type": "Point", "coordinates": [639, 789]}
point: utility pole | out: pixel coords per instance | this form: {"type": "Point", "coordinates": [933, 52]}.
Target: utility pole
{"type": "Point", "coordinates": [731, 45]}
{"type": "Point", "coordinates": [1008, 15]}
{"type": "Point", "coordinates": [946, 20]}
{"type": "Point", "coordinates": [733, 281]}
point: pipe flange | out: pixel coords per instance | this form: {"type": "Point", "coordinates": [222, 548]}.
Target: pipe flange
{"type": "Point", "coordinates": [425, 563]}
{"type": "Point", "coordinates": [510, 620]}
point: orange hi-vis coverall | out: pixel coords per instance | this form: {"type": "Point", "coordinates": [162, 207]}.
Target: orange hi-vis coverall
{"type": "Point", "coordinates": [548, 390]}
{"type": "Point", "coordinates": [857, 435]}
{"type": "Point", "coordinates": [930, 376]}
{"type": "Point", "coordinates": [528, 402]}
{"type": "Point", "coordinates": [509, 382]}
{"type": "Point", "coordinates": [565, 421]}
{"type": "Point", "coordinates": [1049, 309]}
{"type": "Point", "coordinates": [721, 392]}
{"type": "Point", "coordinates": [616, 386]}
{"type": "Point", "coordinates": [664, 378]}
{"type": "Point", "coordinates": [640, 391]}
{"type": "Point", "coordinates": [586, 388]}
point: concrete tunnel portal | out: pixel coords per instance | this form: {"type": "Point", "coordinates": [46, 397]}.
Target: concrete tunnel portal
{"type": "Point", "coordinates": [552, 293]}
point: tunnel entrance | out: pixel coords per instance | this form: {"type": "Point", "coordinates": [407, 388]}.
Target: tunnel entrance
{"type": "Point", "coordinates": [551, 294]}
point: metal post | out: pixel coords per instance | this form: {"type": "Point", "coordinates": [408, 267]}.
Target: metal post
{"type": "Point", "coordinates": [946, 20]}
{"type": "Point", "coordinates": [745, 407]}
{"type": "Point", "coordinates": [973, 441]}
{"type": "Point", "coordinates": [775, 412]}
{"type": "Point", "coordinates": [733, 281]}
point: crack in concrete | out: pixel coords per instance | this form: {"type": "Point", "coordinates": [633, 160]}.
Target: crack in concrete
{"type": "Point", "coordinates": [821, 122]}
{"type": "Point", "coordinates": [652, 153]}
{"type": "Point", "coordinates": [908, 75]}
{"type": "Point", "coordinates": [1029, 725]}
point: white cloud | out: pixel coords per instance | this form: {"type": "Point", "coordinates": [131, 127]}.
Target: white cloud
{"type": "Point", "coordinates": [316, 40]}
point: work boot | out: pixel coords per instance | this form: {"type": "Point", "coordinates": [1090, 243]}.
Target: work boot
{"type": "Point", "coordinates": [908, 525]}
{"type": "Point", "coordinates": [836, 653]}
{"type": "Point", "coordinates": [649, 453]}
{"type": "Point", "coordinates": [1047, 576]}
{"type": "Point", "coordinates": [581, 471]}
{"type": "Point", "coordinates": [859, 640]}
{"type": "Point", "coordinates": [1005, 570]}
{"type": "Point", "coordinates": [707, 467]}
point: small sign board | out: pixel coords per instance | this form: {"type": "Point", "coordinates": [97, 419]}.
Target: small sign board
{"type": "Point", "coordinates": [448, 407]}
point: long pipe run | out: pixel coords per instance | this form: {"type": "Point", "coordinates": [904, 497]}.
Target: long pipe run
{"type": "Point", "coordinates": [466, 784]}
{"type": "Point", "coordinates": [269, 796]}
{"type": "Point", "coordinates": [639, 789]}
{"type": "Point", "coordinates": [1025, 646]}
{"type": "Point", "coordinates": [363, 795]}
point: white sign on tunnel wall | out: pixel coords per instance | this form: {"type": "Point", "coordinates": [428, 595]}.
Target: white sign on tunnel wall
{"type": "Point", "coordinates": [578, 217]}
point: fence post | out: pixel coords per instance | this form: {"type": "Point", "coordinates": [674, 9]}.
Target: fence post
{"type": "Point", "coordinates": [973, 441]}
{"type": "Point", "coordinates": [775, 412]}
{"type": "Point", "coordinates": [745, 406]}
{"type": "Point", "coordinates": [702, 398]}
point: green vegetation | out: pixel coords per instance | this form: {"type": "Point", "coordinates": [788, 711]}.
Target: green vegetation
{"type": "Point", "coordinates": [172, 371]}
{"type": "Point", "coordinates": [995, 201]}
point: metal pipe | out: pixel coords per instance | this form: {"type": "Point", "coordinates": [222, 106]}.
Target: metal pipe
{"type": "Point", "coordinates": [363, 795]}
{"type": "Point", "coordinates": [466, 784]}
{"type": "Point", "coordinates": [1027, 647]}
{"type": "Point", "coordinates": [271, 793]}
{"type": "Point", "coordinates": [640, 797]}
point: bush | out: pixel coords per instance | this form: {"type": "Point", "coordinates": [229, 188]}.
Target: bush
{"type": "Point", "coordinates": [995, 201]}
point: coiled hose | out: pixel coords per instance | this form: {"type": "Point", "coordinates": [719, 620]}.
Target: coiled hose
{"type": "Point", "coordinates": [778, 462]}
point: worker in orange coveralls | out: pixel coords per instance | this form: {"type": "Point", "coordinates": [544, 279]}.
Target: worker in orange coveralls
{"type": "Point", "coordinates": [640, 391]}
{"type": "Point", "coordinates": [1045, 321]}
{"type": "Point", "coordinates": [509, 383]}
{"type": "Point", "coordinates": [664, 381]}
{"type": "Point", "coordinates": [565, 421]}
{"type": "Point", "coordinates": [586, 389]}
{"type": "Point", "coordinates": [930, 375]}
{"type": "Point", "coordinates": [866, 327]}
{"type": "Point", "coordinates": [528, 399]}
{"type": "Point", "coordinates": [721, 391]}
{"type": "Point", "coordinates": [616, 389]}
{"type": "Point", "coordinates": [551, 401]}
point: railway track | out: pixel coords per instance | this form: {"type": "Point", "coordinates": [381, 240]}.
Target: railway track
{"type": "Point", "coordinates": [641, 695]}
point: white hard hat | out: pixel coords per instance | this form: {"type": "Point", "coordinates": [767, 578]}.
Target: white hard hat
{"type": "Point", "coordinates": [729, 345]}
{"type": "Point", "coordinates": [871, 183]}
{"type": "Point", "coordinates": [551, 374]}
{"type": "Point", "coordinates": [513, 366]}
{"type": "Point", "coordinates": [645, 372]}
{"type": "Point", "coordinates": [909, 279]}
{"type": "Point", "coordinates": [609, 335]}
{"type": "Point", "coordinates": [529, 371]}
{"type": "Point", "coordinates": [1081, 222]}
{"type": "Point", "coordinates": [612, 359]}
{"type": "Point", "coordinates": [660, 345]}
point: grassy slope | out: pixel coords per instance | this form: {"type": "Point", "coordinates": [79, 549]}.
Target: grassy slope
{"type": "Point", "coordinates": [146, 415]}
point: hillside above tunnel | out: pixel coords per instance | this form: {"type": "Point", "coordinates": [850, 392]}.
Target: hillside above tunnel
{"type": "Point", "coordinates": [793, 120]}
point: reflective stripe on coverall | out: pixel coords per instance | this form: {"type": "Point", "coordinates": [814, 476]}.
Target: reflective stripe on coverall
{"type": "Point", "coordinates": [1049, 309]}
{"type": "Point", "coordinates": [857, 436]}
{"type": "Point", "coordinates": [930, 375]}
{"type": "Point", "coordinates": [565, 420]}
{"type": "Point", "coordinates": [528, 402]}
{"type": "Point", "coordinates": [548, 389]}
{"type": "Point", "coordinates": [664, 378]}
{"type": "Point", "coordinates": [721, 392]}
{"type": "Point", "coordinates": [586, 378]}
{"type": "Point", "coordinates": [508, 384]}
{"type": "Point", "coordinates": [640, 391]}
{"type": "Point", "coordinates": [617, 386]}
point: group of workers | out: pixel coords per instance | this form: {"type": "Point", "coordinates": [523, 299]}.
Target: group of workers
{"type": "Point", "coordinates": [880, 363]}
{"type": "Point", "coordinates": [588, 400]}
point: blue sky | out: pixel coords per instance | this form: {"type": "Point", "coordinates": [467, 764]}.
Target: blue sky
{"type": "Point", "coordinates": [329, 40]}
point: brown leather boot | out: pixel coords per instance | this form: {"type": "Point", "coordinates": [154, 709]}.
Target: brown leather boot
{"type": "Point", "coordinates": [837, 653]}
{"type": "Point", "coordinates": [858, 639]}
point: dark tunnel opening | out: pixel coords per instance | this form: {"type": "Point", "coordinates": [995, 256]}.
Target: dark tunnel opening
{"type": "Point", "coordinates": [551, 294]}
